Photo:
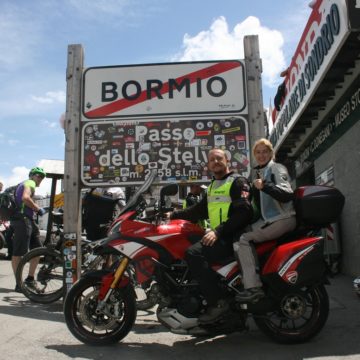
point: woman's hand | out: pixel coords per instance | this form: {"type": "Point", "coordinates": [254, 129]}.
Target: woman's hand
{"type": "Point", "coordinates": [258, 183]}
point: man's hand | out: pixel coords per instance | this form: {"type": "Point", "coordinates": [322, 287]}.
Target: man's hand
{"type": "Point", "coordinates": [209, 238]}
{"type": "Point", "coordinates": [41, 211]}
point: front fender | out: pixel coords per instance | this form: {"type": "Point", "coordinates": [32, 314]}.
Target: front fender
{"type": "Point", "coordinates": [107, 278]}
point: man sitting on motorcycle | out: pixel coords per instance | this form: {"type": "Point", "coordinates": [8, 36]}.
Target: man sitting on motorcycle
{"type": "Point", "coordinates": [229, 210]}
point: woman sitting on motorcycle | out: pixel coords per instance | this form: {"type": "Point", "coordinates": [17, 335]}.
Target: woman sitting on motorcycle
{"type": "Point", "coordinates": [273, 197]}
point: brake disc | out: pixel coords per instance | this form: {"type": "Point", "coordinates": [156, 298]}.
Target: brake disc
{"type": "Point", "coordinates": [90, 318]}
{"type": "Point", "coordinates": [293, 306]}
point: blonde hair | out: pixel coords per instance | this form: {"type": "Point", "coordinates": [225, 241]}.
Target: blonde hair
{"type": "Point", "coordinates": [266, 143]}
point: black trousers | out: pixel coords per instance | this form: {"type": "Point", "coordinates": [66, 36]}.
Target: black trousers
{"type": "Point", "coordinates": [9, 232]}
{"type": "Point", "coordinates": [199, 259]}
{"type": "Point", "coordinates": [26, 235]}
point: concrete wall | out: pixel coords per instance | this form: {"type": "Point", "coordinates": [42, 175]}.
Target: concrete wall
{"type": "Point", "coordinates": [344, 156]}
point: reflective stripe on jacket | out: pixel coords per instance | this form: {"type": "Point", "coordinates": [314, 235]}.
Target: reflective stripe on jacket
{"type": "Point", "coordinates": [219, 200]}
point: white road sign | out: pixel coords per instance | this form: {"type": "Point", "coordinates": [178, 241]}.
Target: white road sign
{"type": "Point", "coordinates": [164, 89]}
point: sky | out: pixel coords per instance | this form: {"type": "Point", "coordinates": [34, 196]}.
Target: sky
{"type": "Point", "coordinates": [34, 38]}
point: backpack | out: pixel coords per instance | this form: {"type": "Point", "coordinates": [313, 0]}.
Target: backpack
{"type": "Point", "coordinates": [8, 207]}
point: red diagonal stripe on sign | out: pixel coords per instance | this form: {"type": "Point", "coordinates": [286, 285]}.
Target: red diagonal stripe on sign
{"type": "Point", "coordinates": [121, 104]}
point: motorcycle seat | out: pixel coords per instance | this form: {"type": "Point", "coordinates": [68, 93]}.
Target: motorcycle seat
{"type": "Point", "coordinates": [298, 232]}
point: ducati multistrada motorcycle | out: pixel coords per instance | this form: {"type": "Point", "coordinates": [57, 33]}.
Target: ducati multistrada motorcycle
{"type": "Point", "coordinates": [100, 308]}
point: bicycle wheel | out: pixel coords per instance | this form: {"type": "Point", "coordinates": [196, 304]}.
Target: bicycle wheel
{"type": "Point", "coordinates": [47, 286]}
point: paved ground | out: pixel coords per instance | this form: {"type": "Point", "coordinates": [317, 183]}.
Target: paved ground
{"type": "Point", "coordinates": [36, 331]}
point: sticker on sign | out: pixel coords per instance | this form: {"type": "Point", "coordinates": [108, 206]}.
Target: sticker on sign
{"type": "Point", "coordinates": [164, 89]}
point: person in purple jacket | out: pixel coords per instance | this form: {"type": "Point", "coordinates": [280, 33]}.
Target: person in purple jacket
{"type": "Point", "coordinates": [26, 232]}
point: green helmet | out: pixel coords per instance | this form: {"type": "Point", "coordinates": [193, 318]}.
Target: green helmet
{"type": "Point", "coordinates": [37, 170]}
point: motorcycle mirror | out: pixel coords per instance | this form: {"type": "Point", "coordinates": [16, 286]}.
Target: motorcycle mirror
{"type": "Point", "coordinates": [167, 190]}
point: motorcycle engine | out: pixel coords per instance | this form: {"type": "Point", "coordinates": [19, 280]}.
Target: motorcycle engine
{"type": "Point", "coordinates": [189, 306]}
{"type": "Point", "coordinates": [185, 298]}
{"type": "Point", "coordinates": [181, 314]}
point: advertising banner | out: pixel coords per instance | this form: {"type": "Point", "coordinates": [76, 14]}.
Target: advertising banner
{"type": "Point", "coordinates": [124, 152]}
{"type": "Point", "coordinates": [324, 34]}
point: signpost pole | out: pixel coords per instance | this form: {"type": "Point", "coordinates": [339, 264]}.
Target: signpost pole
{"type": "Point", "coordinates": [72, 205]}
{"type": "Point", "coordinates": [254, 90]}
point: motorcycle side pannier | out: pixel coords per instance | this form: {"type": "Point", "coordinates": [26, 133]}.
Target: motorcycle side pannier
{"type": "Point", "coordinates": [318, 205]}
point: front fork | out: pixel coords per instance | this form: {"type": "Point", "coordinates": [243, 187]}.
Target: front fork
{"type": "Point", "coordinates": [113, 282]}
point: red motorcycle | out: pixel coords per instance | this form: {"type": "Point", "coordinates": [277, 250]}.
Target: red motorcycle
{"type": "Point", "coordinates": [100, 308]}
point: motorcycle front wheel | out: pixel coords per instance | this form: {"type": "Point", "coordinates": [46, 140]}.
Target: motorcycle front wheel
{"type": "Point", "coordinates": [94, 326]}
{"type": "Point", "coordinates": [47, 286]}
{"type": "Point", "coordinates": [299, 316]}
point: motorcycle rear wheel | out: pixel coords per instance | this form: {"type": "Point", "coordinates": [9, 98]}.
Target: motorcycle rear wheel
{"type": "Point", "coordinates": [94, 328]}
{"type": "Point", "coordinates": [48, 275]}
{"type": "Point", "coordinates": [299, 317]}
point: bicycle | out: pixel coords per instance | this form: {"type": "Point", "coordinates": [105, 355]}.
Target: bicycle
{"type": "Point", "coordinates": [48, 286]}
{"type": "Point", "coordinates": [49, 274]}
{"type": "Point", "coordinates": [49, 267]}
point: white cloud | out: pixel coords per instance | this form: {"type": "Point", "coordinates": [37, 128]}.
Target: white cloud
{"type": "Point", "coordinates": [51, 102]}
{"type": "Point", "coordinates": [292, 25]}
{"type": "Point", "coordinates": [219, 43]}
{"type": "Point", "coordinates": [8, 141]}
{"type": "Point", "coordinates": [13, 142]}
{"type": "Point", "coordinates": [18, 174]}
{"type": "Point", "coordinates": [50, 97]}
{"type": "Point", "coordinates": [45, 188]}
{"type": "Point", "coordinates": [19, 35]}
{"type": "Point", "coordinates": [51, 124]}
{"type": "Point", "coordinates": [21, 173]}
